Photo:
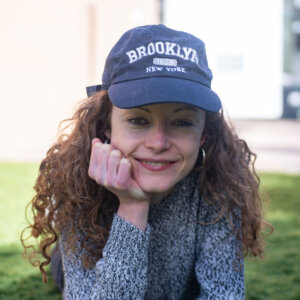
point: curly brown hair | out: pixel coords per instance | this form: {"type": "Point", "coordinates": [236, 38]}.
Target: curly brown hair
{"type": "Point", "coordinates": [65, 192]}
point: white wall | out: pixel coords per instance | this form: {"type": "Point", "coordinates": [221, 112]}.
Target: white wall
{"type": "Point", "coordinates": [244, 44]}
{"type": "Point", "coordinates": [50, 51]}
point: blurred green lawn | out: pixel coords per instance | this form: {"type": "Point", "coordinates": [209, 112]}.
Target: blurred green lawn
{"type": "Point", "coordinates": [276, 277]}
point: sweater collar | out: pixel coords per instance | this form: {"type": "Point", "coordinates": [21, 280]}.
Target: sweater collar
{"type": "Point", "coordinates": [182, 190]}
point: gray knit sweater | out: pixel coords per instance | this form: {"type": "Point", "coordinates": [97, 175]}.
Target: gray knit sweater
{"type": "Point", "coordinates": [175, 258]}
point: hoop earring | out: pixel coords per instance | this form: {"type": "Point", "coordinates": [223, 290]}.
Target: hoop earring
{"type": "Point", "coordinates": [203, 156]}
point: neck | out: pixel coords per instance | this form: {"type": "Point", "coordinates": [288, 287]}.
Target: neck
{"type": "Point", "coordinates": [156, 198]}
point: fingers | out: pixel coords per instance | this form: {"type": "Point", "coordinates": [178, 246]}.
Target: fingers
{"type": "Point", "coordinates": [96, 147]}
{"type": "Point", "coordinates": [109, 168]}
{"type": "Point", "coordinates": [102, 165]}
{"type": "Point", "coordinates": [95, 152]}
{"type": "Point", "coordinates": [124, 172]}
{"type": "Point", "coordinates": [112, 167]}
{"type": "Point", "coordinates": [96, 140]}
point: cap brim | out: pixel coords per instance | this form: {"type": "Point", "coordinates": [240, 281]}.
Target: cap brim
{"type": "Point", "coordinates": [156, 90]}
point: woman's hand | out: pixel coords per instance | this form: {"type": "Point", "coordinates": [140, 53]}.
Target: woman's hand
{"type": "Point", "coordinates": [109, 168]}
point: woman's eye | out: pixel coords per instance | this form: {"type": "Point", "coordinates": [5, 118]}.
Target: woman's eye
{"type": "Point", "coordinates": [138, 121]}
{"type": "Point", "coordinates": [182, 123]}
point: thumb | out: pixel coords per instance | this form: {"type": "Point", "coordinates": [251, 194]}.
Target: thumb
{"type": "Point", "coordinates": [125, 179]}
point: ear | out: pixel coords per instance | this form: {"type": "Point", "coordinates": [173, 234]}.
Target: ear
{"type": "Point", "coordinates": [202, 141]}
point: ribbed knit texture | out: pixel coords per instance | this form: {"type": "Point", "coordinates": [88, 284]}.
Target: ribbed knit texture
{"type": "Point", "coordinates": [175, 258]}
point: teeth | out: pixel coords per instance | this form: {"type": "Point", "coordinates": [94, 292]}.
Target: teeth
{"type": "Point", "coordinates": [155, 164]}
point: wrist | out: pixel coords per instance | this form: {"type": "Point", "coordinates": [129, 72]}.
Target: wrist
{"type": "Point", "coordinates": [135, 213]}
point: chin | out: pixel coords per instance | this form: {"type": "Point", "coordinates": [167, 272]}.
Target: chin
{"type": "Point", "coordinates": [157, 186]}
{"type": "Point", "coordinates": [162, 181]}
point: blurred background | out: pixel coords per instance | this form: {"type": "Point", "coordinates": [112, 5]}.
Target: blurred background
{"type": "Point", "coordinates": [52, 49]}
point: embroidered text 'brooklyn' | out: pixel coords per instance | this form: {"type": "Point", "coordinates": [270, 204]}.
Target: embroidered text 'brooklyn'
{"type": "Point", "coordinates": [165, 48]}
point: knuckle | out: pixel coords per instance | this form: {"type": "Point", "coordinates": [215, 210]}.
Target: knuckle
{"type": "Point", "coordinates": [106, 147]}
{"type": "Point", "coordinates": [120, 185]}
{"type": "Point", "coordinates": [125, 161]}
{"type": "Point", "coordinates": [99, 179]}
{"type": "Point", "coordinates": [96, 146]}
{"type": "Point", "coordinates": [115, 152]}
{"type": "Point", "coordinates": [90, 173]}
{"type": "Point", "coordinates": [109, 182]}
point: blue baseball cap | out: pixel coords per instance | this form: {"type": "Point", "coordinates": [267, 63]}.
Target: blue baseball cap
{"type": "Point", "coordinates": [155, 64]}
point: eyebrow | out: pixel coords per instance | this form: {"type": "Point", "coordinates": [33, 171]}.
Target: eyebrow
{"type": "Point", "coordinates": [176, 110]}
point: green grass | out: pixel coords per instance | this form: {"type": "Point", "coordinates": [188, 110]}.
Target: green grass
{"type": "Point", "coordinates": [276, 277]}
{"type": "Point", "coordinates": [18, 279]}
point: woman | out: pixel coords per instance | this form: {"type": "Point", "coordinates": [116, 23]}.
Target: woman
{"type": "Point", "coordinates": [150, 191]}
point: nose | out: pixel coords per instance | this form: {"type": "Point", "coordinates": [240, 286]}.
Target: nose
{"type": "Point", "coordinates": [157, 140]}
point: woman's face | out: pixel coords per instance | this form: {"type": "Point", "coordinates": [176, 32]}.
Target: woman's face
{"type": "Point", "coordinates": [162, 141]}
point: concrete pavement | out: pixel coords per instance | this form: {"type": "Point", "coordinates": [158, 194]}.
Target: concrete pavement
{"type": "Point", "coordinates": [276, 143]}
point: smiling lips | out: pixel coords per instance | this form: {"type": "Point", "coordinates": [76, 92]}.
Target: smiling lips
{"type": "Point", "coordinates": [155, 165]}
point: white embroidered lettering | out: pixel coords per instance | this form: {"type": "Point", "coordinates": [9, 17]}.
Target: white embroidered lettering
{"type": "Point", "coordinates": [132, 56]}
{"type": "Point", "coordinates": [182, 70]}
{"type": "Point", "coordinates": [151, 69]}
{"type": "Point", "coordinates": [165, 62]}
{"type": "Point", "coordinates": [179, 52]}
{"type": "Point", "coordinates": [163, 48]}
{"type": "Point", "coordinates": [150, 49]}
{"type": "Point", "coordinates": [187, 52]}
{"type": "Point", "coordinates": [170, 48]}
{"type": "Point", "coordinates": [194, 57]}
{"type": "Point", "coordinates": [160, 47]}
{"type": "Point", "coordinates": [141, 51]}
{"type": "Point", "coordinates": [177, 69]}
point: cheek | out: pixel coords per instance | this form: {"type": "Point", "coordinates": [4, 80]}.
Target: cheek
{"type": "Point", "coordinates": [124, 141]}
{"type": "Point", "coordinates": [194, 152]}
{"type": "Point", "coordinates": [192, 141]}
{"type": "Point", "coordinates": [191, 149]}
